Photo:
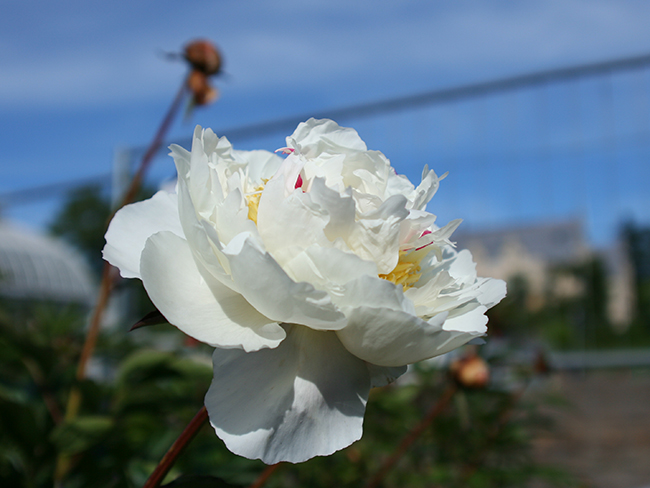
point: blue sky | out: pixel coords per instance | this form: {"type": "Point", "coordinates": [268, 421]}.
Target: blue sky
{"type": "Point", "coordinates": [80, 78]}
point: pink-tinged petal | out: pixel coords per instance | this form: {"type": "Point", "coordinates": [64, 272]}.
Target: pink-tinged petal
{"type": "Point", "coordinates": [267, 287]}
{"type": "Point", "coordinates": [289, 172]}
{"type": "Point", "coordinates": [134, 224]}
{"type": "Point", "coordinates": [209, 312]}
{"type": "Point", "coordinates": [303, 399]}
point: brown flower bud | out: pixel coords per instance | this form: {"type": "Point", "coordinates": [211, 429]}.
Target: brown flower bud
{"type": "Point", "coordinates": [203, 56]}
{"type": "Point", "coordinates": [203, 93]}
{"type": "Point", "coordinates": [470, 371]}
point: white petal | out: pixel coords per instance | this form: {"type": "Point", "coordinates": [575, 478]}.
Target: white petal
{"type": "Point", "coordinates": [134, 224]}
{"type": "Point", "coordinates": [393, 338]}
{"type": "Point", "coordinates": [463, 267]}
{"type": "Point", "coordinates": [376, 235]}
{"type": "Point", "coordinates": [303, 399]}
{"type": "Point", "coordinates": [426, 189]}
{"type": "Point", "coordinates": [211, 313]}
{"type": "Point", "coordinates": [260, 164]}
{"type": "Point", "coordinates": [314, 137]}
{"type": "Point", "coordinates": [328, 269]}
{"type": "Point", "coordinates": [473, 321]}
{"type": "Point", "coordinates": [339, 208]}
{"type": "Point", "coordinates": [388, 337]}
{"type": "Point", "coordinates": [203, 247]}
{"type": "Point", "coordinates": [371, 291]}
{"type": "Point", "coordinates": [270, 290]}
{"type": "Point", "coordinates": [492, 291]}
{"type": "Point", "coordinates": [289, 225]}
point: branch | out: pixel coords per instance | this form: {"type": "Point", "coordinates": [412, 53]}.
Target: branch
{"type": "Point", "coordinates": [410, 438]}
{"type": "Point", "coordinates": [176, 449]}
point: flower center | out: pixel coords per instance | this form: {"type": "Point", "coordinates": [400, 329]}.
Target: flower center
{"type": "Point", "coordinates": [407, 271]}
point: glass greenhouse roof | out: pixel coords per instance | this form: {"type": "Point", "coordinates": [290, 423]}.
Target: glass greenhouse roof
{"type": "Point", "coordinates": [39, 267]}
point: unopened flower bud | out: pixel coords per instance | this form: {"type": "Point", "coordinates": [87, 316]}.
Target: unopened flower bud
{"type": "Point", "coordinates": [470, 371]}
{"type": "Point", "coordinates": [203, 93]}
{"type": "Point", "coordinates": [203, 56]}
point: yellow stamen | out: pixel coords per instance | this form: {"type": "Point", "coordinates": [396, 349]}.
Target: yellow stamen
{"type": "Point", "coordinates": [253, 201]}
{"type": "Point", "coordinates": [407, 271]}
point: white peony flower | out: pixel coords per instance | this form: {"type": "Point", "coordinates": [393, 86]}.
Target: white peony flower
{"type": "Point", "coordinates": [316, 277]}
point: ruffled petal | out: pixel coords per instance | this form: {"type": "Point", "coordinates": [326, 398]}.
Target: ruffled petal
{"type": "Point", "coordinates": [209, 312]}
{"type": "Point", "coordinates": [288, 225]}
{"type": "Point", "coordinates": [340, 209]}
{"type": "Point", "coordinates": [376, 235]}
{"type": "Point", "coordinates": [426, 189]}
{"type": "Point", "coordinates": [329, 269]}
{"type": "Point", "coordinates": [266, 286]}
{"type": "Point", "coordinates": [492, 291]}
{"type": "Point", "coordinates": [315, 136]}
{"type": "Point", "coordinates": [388, 337]}
{"type": "Point", "coordinates": [303, 399]}
{"type": "Point", "coordinates": [205, 248]}
{"type": "Point", "coordinates": [371, 291]}
{"type": "Point", "coordinates": [134, 224]}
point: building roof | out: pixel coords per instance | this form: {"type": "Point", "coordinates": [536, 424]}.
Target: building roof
{"type": "Point", "coordinates": [551, 242]}
{"type": "Point", "coordinates": [40, 267]}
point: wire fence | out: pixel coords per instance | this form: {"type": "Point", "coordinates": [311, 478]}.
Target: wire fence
{"type": "Point", "coordinates": [562, 144]}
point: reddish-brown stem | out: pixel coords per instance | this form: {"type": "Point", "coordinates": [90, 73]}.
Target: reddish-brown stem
{"type": "Point", "coordinates": [157, 141]}
{"type": "Point", "coordinates": [265, 475]}
{"type": "Point", "coordinates": [108, 276]}
{"type": "Point", "coordinates": [415, 432]}
{"type": "Point", "coordinates": [176, 449]}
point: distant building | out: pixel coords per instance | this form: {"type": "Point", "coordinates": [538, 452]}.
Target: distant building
{"type": "Point", "coordinates": [533, 252]}
{"type": "Point", "coordinates": [35, 267]}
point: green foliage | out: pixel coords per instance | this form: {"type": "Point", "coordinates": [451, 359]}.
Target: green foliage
{"type": "Point", "coordinates": [481, 440]}
{"type": "Point", "coordinates": [130, 417]}
{"type": "Point", "coordinates": [124, 427]}
{"type": "Point", "coordinates": [82, 222]}
{"type": "Point", "coordinates": [637, 240]}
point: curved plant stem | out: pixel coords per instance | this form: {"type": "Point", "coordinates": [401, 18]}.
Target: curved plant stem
{"type": "Point", "coordinates": [415, 432]}
{"type": "Point", "coordinates": [266, 474]}
{"type": "Point", "coordinates": [155, 144]}
{"type": "Point", "coordinates": [176, 449]}
{"type": "Point", "coordinates": [109, 275]}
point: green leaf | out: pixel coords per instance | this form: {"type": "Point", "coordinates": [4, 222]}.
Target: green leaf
{"type": "Point", "coordinates": [81, 433]}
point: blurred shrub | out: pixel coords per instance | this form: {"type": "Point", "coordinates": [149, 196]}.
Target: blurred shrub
{"type": "Point", "coordinates": [133, 413]}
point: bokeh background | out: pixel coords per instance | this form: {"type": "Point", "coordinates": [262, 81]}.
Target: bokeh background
{"type": "Point", "coordinates": [539, 112]}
